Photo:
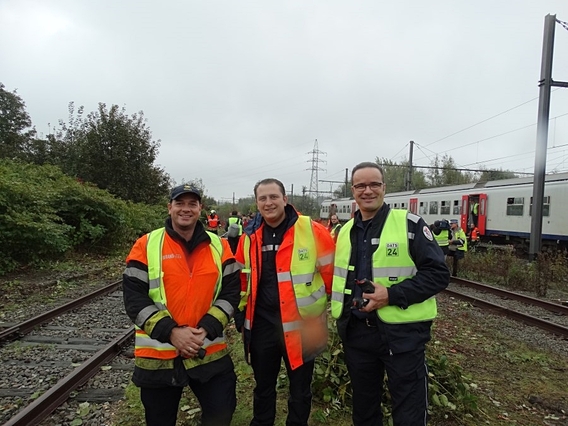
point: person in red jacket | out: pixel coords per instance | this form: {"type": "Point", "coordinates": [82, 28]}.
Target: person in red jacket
{"type": "Point", "coordinates": [286, 277]}
{"type": "Point", "coordinates": [181, 287]}
{"type": "Point", "coordinates": [213, 222]}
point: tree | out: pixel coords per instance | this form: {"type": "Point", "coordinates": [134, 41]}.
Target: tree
{"type": "Point", "coordinates": [488, 175]}
{"type": "Point", "coordinates": [113, 150]}
{"type": "Point", "coordinates": [14, 120]}
{"type": "Point", "coordinates": [396, 175]}
{"type": "Point", "coordinates": [445, 172]}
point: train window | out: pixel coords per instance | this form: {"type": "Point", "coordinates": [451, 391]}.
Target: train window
{"type": "Point", "coordinates": [515, 206]}
{"type": "Point", "coordinates": [433, 207]}
{"type": "Point", "coordinates": [423, 208]}
{"type": "Point", "coordinates": [545, 206]}
{"type": "Point", "coordinates": [402, 205]}
{"type": "Point", "coordinates": [444, 207]}
{"type": "Point", "coordinates": [396, 205]}
{"type": "Point", "coordinates": [456, 207]}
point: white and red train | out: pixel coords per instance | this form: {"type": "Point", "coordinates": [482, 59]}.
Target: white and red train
{"type": "Point", "coordinates": [503, 210]}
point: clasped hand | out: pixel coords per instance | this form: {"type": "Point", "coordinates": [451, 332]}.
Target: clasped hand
{"type": "Point", "coordinates": [188, 340]}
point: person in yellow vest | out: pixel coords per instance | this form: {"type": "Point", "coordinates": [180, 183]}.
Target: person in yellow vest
{"type": "Point", "coordinates": [234, 233]}
{"type": "Point", "coordinates": [334, 227]}
{"type": "Point", "coordinates": [287, 262]}
{"type": "Point", "coordinates": [475, 212]}
{"type": "Point", "coordinates": [458, 245]}
{"type": "Point", "coordinates": [441, 231]}
{"type": "Point", "coordinates": [387, 270]}
{"type": "Point", "coordinates": [181, 287]}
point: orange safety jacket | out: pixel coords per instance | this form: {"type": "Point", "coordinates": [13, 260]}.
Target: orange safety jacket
{"type": "Point", "coordinates": [186, 291]}
{"type": "Point", "coordinates": [213, 221]}
{"type": "Point", "coordinates": [474, 234]}
{"type": "Point", "coordinates": [304, 281]}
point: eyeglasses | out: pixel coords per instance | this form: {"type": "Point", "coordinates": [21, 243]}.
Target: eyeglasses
{"type": "Point", "coordinates": [360, 187]}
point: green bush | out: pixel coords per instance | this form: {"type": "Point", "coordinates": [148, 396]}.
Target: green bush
{"type": "Point", "coordinates": [45, 214]}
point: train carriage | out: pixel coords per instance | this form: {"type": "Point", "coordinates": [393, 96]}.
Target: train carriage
{"type": "Point", "coordinates": [504, 207]}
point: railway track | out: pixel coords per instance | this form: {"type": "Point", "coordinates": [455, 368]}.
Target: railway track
{"type": "Point", "coordinates": [546, 315]}
{"type": "Point", "coordinates": [50, 356]}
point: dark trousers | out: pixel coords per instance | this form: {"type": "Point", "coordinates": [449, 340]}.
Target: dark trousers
{"type": "Point", "coordinates": [266, 352]}
{"type": "Point", "coordinates": [456, 255]}
{"type": "Point", "coordinates": [368, 358]}
{"type": "Point", "coordinates": [217, 398]}
{"type": "Point", "coordinates": [234, 243]}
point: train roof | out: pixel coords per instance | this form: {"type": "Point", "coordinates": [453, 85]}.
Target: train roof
{"type": "Point", "coordinates": [553, 177]}
{"type": "Point", "coordinates": [521, 181]}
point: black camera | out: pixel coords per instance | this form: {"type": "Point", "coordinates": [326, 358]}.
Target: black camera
{"type": "Point", "coordinates": [441, 225]}
{"type": "Point", "coordinates": [367, 287]}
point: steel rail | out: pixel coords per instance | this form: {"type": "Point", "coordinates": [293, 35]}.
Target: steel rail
{"type": "Point", "coordinates": [27, 326]}
{"type": "Point", "coordinates": [55, 396]}
{"type": "Point", "coordinates": [501, 310]}
{"type": "Point", "coordinates": [549, 306]}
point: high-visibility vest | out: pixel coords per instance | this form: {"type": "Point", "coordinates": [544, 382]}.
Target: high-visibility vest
{"type": "Point", "coordinates": [458, 234]}
{"type": "Point", "coordinates": [475, 208]}
{"type": "Point", "coordinates": [213, 221]}
{"type": "Point", "coordinates": [442, 238]}
{"type": "Point", "coordinates": [145, 346]}
{"type": "Point", "coordinates": [474, 234]}
{"type": "Point", "coordinates": [301, 288]}
{"type": "Point", "coordinates": [335, 230]}
{"type": "Point", "coordinates": [392, 264]}
{"type": "Point", "coordinates": [237, 220]}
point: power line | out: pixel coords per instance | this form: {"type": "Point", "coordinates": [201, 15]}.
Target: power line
{"type": "Point", "coordinates": [483, 121]}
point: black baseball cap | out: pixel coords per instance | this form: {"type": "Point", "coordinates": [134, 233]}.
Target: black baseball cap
{"type": "Point", "coordinates": [186, 188]}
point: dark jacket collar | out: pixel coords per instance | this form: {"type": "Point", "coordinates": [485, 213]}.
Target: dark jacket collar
{"type": "Point", "coordinates": [199, 235]}
{"type": "Point", "coordinates": [255, 223]}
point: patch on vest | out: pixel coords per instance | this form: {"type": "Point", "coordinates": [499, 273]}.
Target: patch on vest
{"type": "Point", "coordinates": [171, 256]}
{"type": "Point", "coordinates": [392, 249]}
{"type": "Point", "coordinates": [427, 233]}
{"type": "Point", "coordinates": [303, 254]}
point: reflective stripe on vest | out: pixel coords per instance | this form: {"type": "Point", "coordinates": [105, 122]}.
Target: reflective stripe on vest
{"type": "Point", "coordinates": [392, 264]}
{"type": "Point", "coordinates": [308, 285]}
{"type": "Point", "coordinates": [145, 346]}
{"type": "Point", "coordinates": [460, 235]}
{"type": "Point", "coordinates": [247, 271]}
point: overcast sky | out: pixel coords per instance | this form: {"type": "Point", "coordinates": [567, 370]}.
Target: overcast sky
{"type": "Point", "coordinates": [238, 91]}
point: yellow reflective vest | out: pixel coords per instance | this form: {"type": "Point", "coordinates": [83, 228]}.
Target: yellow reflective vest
{"type": "Point", "coordinates": [443, 238]}
{"type": "Point", "coordinates": [392, 264]}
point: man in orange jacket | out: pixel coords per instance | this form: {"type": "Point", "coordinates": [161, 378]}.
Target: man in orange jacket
{"type": "Point", "coordinates": [286, 277]}
{"type": "Point", "coordinates": [181, 287]}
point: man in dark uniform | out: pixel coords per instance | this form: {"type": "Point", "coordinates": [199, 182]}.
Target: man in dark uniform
{"type": "Point", "coordinates": [387, 267]}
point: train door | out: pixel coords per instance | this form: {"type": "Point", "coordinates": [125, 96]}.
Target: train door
{"type": "Point", "coordinates": [482, 213]}
{"type": "Point", "coordinates": [413, 205]}
{"type": "Point", "coordinates": [354, 208]}
{"type": "Point", "coordinates": [464, 212]}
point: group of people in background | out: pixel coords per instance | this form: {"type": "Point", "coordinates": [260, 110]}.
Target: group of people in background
{"type": "Point", "coordinates": [453, 240]}
{"type": "Point", "coordinates": [380, 271]}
